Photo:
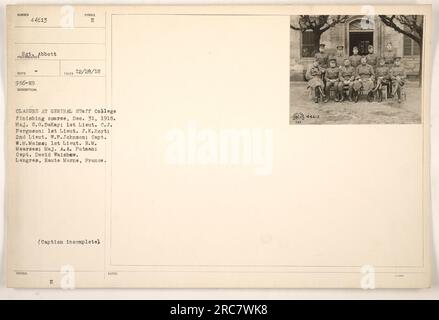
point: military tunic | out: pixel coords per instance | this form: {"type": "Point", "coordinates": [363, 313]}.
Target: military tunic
{"type": "Point", "coordinates": [322, 58]}
{"type": "Point", "coordinates": [364, 73]}
{"type": "Point", "coordinates": [315, 77]}
{"type": "Point", "coordinates": [355, 60]}
{"type": "Point", "coordinates": [332, 73]}
{"type": "Point", "coordinates": [347, 76]}
{"type": "Point", "coordinates": [382, 74]}
{"type": "Point", "coordinates": [398, 76]}
{"type": "Point", "coordinates": [347, 73]}
{"type": "Point", "coordinates": [339, 58]}
{"type": "Point", "coordinates": [372, 59]}
{"type": "Point", "coordinates": [332, 76]}
{"type": "Point", "coordinates": [389, 56]}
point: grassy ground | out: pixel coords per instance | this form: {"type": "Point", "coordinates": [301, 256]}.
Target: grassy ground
{"type": "Point", "coordinates": [363, 112]}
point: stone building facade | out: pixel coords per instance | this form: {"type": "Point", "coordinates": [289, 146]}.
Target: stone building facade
{"type": "Point", "coordinates": [357, 31]}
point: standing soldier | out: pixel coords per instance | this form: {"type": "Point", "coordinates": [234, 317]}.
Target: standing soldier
{"type": "Point", "coordinates": [372, 58]}
{"type": "Point", "coordinates": [322, 56]}
{"type": "Point", "coordinates": [364, 80]}
{"type": "Point", "coordinates": [347, 77]}
{"type": "Point", "coordinates": [355, 57]}
{"type": "Point", "coordinates": [389, 54]}
{"type": "Point", "coordinates": [340, 56]}
{"type": "Point", "coordinates": [315, 82]}
{"type": "Point", "coordinates": [332, 76]}
{"type": "Point", "coordinates": [398, 77]}
{"type": "Point", "coordinates": [382, 74]}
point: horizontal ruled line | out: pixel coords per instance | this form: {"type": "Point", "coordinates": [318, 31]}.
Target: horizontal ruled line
{"type": "Point", "coordinates": [59, 76]}
{"type": "Point", "coordinates": [58, 27]}
{"type": "Point", "coordinates": [224, 271]}
{"type": "Point", "coordinates": [39, 59]}
{"type": "Point", "coordinates": [98, 43]}
{"type": "Point", "coordinates": [56, 271]}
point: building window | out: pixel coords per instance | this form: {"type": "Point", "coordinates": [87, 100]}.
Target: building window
{"type": "Point", "coordinates": [411, 47]}
{"type": "Point", "coordinates": [308, 49]}
{"type": "Point", "coordinates": [362, 24]}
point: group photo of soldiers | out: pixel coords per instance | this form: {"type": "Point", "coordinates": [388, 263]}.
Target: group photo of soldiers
{"type": "Point", "coordinates": [356, 69]}
{"type": "Point", "coordinates": [350, 77]}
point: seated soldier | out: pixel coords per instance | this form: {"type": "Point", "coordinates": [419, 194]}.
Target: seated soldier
{"type": "Point", "coordinates": [364, 80]}
{"type": "Point", "coordinates": [315, 82]}
{"type": "Point", "coordinates": [332, 75]}
{"type": "Point", "coordinates": [382, 74]}
{"type": "Point", "coordinates": [347, 77]}
{"type": "Point", "coordinates": [398, 77]}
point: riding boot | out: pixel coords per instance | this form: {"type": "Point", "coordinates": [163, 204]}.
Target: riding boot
{"type": "Point", "coordinates": [342, 97]}
{"type": "Point", "coordinates": [327, 94]}
{"type": "Point", "coordinates": [356, 96]}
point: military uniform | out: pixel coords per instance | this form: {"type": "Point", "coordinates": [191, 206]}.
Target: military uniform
{"type": "Point", "coordinates": [355, 60]}
{"type": "Point", "coordinates": [332, 76]}
{"type": "Point", "coordinates": [382, 74]}
{"type": "Point", "coordinates": [398, 76]}
{"type": "Point", "coordinates": [339, 58]}
{"type": "Point", "coordinates": [398, 71]}
{"type": "Point", "coordinates": [322, 58]}
{"type": "Point", "coordinates": [315, 77]}
{"type": "Point", "coordinates": [347, 76]}
{"type": "Point", "coordinates": [364, 75]}
{"type": "Point", "coordinates": [389, 56]}
{"type": "Point", "coordinates": [372, 59]}
{"type": "Point", "coordinates": [315, 82]}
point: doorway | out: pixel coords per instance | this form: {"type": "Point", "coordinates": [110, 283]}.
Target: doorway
{"type": "Point", "coordinates": [361, 39]}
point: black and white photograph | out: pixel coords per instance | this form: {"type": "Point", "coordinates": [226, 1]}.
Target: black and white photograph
{"type": "Point", "coordinates": [356, 69]}
{"type": "Point", "coordinates": [230, 153]}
